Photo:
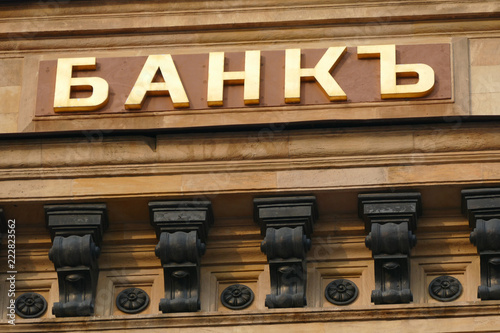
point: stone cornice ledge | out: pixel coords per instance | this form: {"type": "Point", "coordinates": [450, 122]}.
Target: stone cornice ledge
{"type": "Point", "coordinates": [274, 316]}
{"type": "Point", "coordinates": [209, 15]}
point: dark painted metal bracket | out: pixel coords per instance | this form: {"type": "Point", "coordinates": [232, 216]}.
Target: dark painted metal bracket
{"type": "Point", "coordinates": [390, 219]}
{"type": "Point", "coordinates": [482, 209]}
{"type": "Point", "coordinates": [287, 224]}
{"type": "Point", "coordinates": [182, 228]}
{"type": "Point", "coordinates": [76, 231]}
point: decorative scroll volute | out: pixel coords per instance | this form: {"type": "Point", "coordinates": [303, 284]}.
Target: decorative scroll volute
{"type": "Point", "coordinates": [390, 238]}
{"type": "Point", "coordinates": [285, 243]}
{"type": "Point", "coordinates": [180, 247]}
{"type": "Point", "coordinates": [486, 235]}
{"type": "Point", "coordinates": [74, 251]}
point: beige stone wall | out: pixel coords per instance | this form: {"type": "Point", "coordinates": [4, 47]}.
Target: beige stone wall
{"type": "Point", "coordinates": [435, 156]}
{"type": "Point", "coordinates": [484, 65]}
{"type": "Point", "coordinates": [11, 70]}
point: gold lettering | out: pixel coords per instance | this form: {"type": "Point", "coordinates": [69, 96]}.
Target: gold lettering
{"type": "Point", "coordinates": [65, 83]}
{"type": "Point", "coordinates": [250, 78]}
{"type": "Point", "coordinates": [321, 72]}
{"type": "Point", "coordinates": [389, 71]}
{"type": "Point", "coordinates": [145, 86]}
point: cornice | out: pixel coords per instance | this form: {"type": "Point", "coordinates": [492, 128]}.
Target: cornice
{"type": "Point", "coordinates": [195, 153]}
{"type": "Point", "coordinates": [213, 15]}
{"type": "Point", "coordinates": [35, 28]}
{"type": "Point", "coordinates": [347, 162]}
{"type": "Point", "coordinates": [471, 310]}
{"type": "Point", "coordinates": [349, 159]}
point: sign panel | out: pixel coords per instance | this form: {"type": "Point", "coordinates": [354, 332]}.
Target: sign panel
{"type": "Point", "coordinates": [252, 79]}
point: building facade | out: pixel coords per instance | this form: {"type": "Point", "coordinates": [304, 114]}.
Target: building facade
{"type": "Point", "coordinates": [249, 165]}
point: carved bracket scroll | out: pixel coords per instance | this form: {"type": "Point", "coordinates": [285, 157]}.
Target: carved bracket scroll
{"type": "Point", "coordinates": [182, 228]}
{"type": "Point", "coordinates": [482, 208]}
{"type": "Point", "coordinates": [390, 219]}
{"type": "Point", "coordinates": [287, 224]}
{"type": "Point", "coordinates": [76, 231]}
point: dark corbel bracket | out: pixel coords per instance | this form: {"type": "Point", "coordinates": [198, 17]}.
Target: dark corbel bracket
{"type": "Point", "coordinates": [390, 219]}
{"type": "Point", "coordinates": [182, 228]}
{"type": "Point", "coordinates": [76, 231]}
{"type": "Point", "coordinates": [482, 209]}
{"type": "Point", "coordinates": [287, 224]}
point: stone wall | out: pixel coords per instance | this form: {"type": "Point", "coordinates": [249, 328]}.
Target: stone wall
{"type": "Point", "coordinates": [231, 156]}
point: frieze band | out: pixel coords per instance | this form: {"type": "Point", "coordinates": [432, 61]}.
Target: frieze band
{"type": "Point", "coordinates": [287, 223]}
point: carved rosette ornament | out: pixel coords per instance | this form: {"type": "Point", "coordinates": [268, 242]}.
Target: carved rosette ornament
{"type": "Point", "coordinates": [76, 232]}
{"type": "Point", "coordinates": [390, 219]}
{"type": "Point", "coordinates": [182, 228]}
{"type": "Point", "coordinates": [445, 288]}
{"type": "Point", "coordinates": [237, 297]}
{"type": "Point", "coordinates": [341, 292]}
{"type": "Point", "coordinates": [132, 300]}
{"type": "Point", "coordinates": [482, 208]}
{"type": "Point", "coordinates": [30, 305]}
{"type": "Point", "coordinates": [287, 224]}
